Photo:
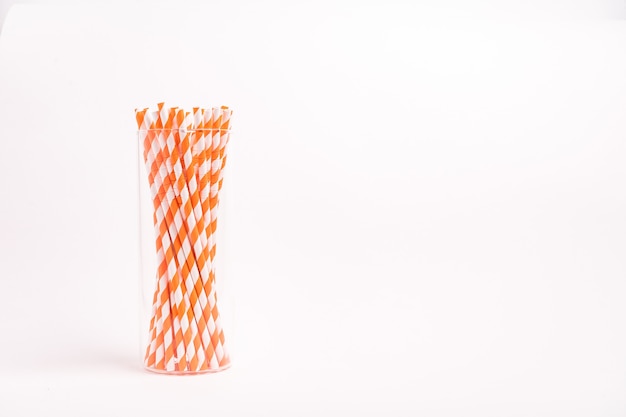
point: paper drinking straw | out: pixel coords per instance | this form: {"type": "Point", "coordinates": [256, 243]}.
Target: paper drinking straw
{"type": "Point", "coordinates": [216, 164]}
{"type": "Point", "coordinates": [205, 184]}
{"type": "Point", "coordinates": [160, 349]}
{"type": "Point", "coordinates": [209, 124]}
{"type": "Point", "coordinates": [161, 323]}
{"type": "Point", "coordinates": [224, 139]}
{"type": "Point", "coordinates": [143, 124]}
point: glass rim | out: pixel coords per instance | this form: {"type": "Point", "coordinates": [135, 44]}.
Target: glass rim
{"type": "Point", "coordinates": [186, 130]}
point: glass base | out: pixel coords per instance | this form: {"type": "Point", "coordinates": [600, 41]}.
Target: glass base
{"type": "Point", "coordinates": [206, 371]}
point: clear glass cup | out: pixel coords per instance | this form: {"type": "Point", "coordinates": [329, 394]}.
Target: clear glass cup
{"type": "Point", "coordinates": [185, 304]}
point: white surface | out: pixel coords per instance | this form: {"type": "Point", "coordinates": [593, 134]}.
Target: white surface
{"type": "Point", "coordinates": [425, 216]}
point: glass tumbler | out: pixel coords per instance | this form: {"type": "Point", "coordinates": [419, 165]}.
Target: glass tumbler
{"type": "Point", "coordinates": [181, 162]}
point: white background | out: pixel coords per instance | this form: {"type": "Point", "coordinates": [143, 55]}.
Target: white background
{"type": "Point", "coordinates": [424, 208]}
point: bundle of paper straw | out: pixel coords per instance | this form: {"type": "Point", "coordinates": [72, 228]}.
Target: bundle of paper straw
{"type": "Point", "coordinates": [185, 156]}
